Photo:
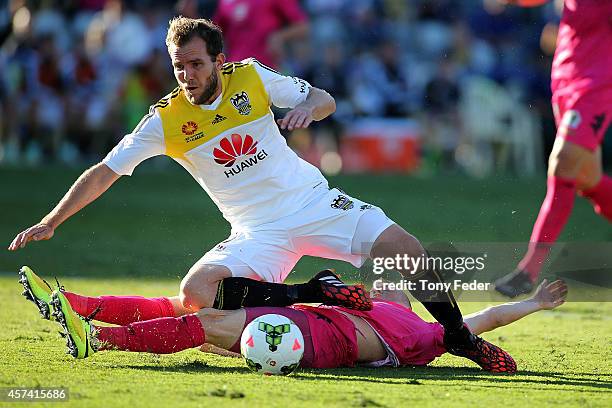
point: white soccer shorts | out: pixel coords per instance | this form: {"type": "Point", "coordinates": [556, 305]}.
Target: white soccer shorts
{"type": "Point", "coordinates": [333, 226]}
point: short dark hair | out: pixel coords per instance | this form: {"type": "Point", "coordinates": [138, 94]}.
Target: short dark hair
{"type": "Point", "coordinates": [184, 29]}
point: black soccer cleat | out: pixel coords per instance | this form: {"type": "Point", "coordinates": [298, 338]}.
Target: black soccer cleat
{"type": "Point", "coordinates": [337, 293]}
{"type": "Point", "coordinates": [487, 355]}
{"type": "Point", "coordinates": [514, 284]}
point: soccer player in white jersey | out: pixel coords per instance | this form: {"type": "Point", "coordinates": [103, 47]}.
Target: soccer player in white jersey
{"type": "Point", "coordinates": [218, 125]}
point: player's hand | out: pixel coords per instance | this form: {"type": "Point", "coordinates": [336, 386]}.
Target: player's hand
{"type": "Point", "coordinates": [550, 295]}
{"type": "Point", "coordinates": [38, 232]}
{"type": "Point", "coordinates": [296, 118]}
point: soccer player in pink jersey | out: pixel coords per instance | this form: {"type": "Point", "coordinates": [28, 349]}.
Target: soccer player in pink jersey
{"type": "Point", "coordinates": [390, 334]}
{"type": "Point", "coordinates": [582, 103]}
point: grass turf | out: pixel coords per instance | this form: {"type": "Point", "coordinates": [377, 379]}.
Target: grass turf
{"type": "Point", "coordinates": [143, 235]}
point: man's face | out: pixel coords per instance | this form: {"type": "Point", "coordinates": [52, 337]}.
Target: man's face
{"type": "Point", "coordinates": [195, 72]}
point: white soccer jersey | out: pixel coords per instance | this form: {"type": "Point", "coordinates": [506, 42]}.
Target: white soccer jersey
{"type": "Point", "coordinates": [233, 147]}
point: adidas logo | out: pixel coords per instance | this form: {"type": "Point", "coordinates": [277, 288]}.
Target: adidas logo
{"type": "Point", "coordinates": [218, 118]}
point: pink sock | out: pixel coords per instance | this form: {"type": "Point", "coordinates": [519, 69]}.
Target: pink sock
{"type": "Point", "coordinates": [161, 336]}
{"type": "Point", "coordinates": [601, 197]}
{"type": "Point", "coordinates": [553, 216]}
{"type": "Point", "coordinates": [121, 310]}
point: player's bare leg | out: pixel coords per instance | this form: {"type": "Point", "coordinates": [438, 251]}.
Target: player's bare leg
{"type": "Point", "coordinates": [223, 328]}
{"type": "Point", "coordinates": [571, 169]}
{"type": "Point", "coordinates": [591, 171]}
{"type": "Point", "coordinates": [441, 304]}
{"type": "Point", "coordinates": [199, 286]}
{"type": "Point", "coordinates": [177, 306]}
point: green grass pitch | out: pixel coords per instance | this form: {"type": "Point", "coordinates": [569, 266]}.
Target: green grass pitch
{"type": "Point", "coordinates": [142, 236]}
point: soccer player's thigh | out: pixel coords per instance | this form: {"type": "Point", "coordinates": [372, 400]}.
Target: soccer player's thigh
{"type": "Point", "coordinates": [345, 228]}
{"type": "Point", "coordinates": [199, 286]}
{"type": "Point", "coordinates": [591, 171]}
{"type": "Point", "coordinates": [581, 124]}
{"type": "Point", "coordinates": [222, 327]}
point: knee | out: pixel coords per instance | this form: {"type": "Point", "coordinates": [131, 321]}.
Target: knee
{"type": "Point", "coordinates": [564, 163]}
{"type": "Point", "coordinates": [588, 177]}
{"type": "Point", "coordinates": [586, 181]}
{"type": "Point", "coordinates": [199, 287]}
{"type": "Point", "coordinates": [191, 298]}
{"type": "Point", "coordinates": [408, 244]}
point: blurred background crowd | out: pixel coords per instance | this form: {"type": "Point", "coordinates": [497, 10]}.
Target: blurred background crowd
{"type": "Point", "coordinates": [421, 85]}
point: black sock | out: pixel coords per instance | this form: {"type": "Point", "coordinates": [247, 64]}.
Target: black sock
{"type": "Point", "coordinates": [234, 293]}
{"type": "Point", "coordinates": [440, 304]}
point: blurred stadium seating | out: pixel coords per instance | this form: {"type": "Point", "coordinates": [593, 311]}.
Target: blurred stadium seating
{"type": "Point", "coordinates": [471, 78]}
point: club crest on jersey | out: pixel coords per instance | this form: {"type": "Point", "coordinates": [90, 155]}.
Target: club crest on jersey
{"type": "Point", "coordinates": [241, 102]}
{"type": "Point", "coordinates": [230, 151]}
{"type": "Point", "coordinates": [342, 202]}
{"type": "Point", "coordinates": [571, 119]}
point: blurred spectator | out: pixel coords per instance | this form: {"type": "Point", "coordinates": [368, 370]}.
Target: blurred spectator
{"type": "Point", "coordinates": [330, 73]}
{"type": "Point", "coordinates": [379, 84]}
{"type": "Point", "coordinates": [76, 76]}
{"type": "Point", "coordinates": [442, 123]}
{"type": "Point", "coordinates": [260, 28]}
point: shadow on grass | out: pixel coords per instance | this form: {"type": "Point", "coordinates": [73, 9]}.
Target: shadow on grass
{"type": "Point", "coordinates": [187, 368]}
{"type": "Point", "coordinates": [414, 376]}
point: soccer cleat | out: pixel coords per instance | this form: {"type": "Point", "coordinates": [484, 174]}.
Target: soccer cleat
{"type": "Point", "coordinates": [36, 290]}
{"type": "Point", "coordinates": [487, 355]}
{"type": "Point", "coordinates": [78, 331]}
{"type": "Point", "coordinates": [514, 284]}
{"type": "Point", "coordinates": [337, 293]}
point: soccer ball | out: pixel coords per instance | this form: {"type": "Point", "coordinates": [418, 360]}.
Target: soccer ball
{"type": "Point", "coordinates": [272, 344]}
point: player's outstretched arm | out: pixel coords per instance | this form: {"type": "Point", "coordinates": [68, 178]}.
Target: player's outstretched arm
{"type": "Point", "coordinates": [89, 186]}
{"type": "Point", "coordinates": [547, 296]}
{"type": "Point", "coordinates": [317, 106]}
